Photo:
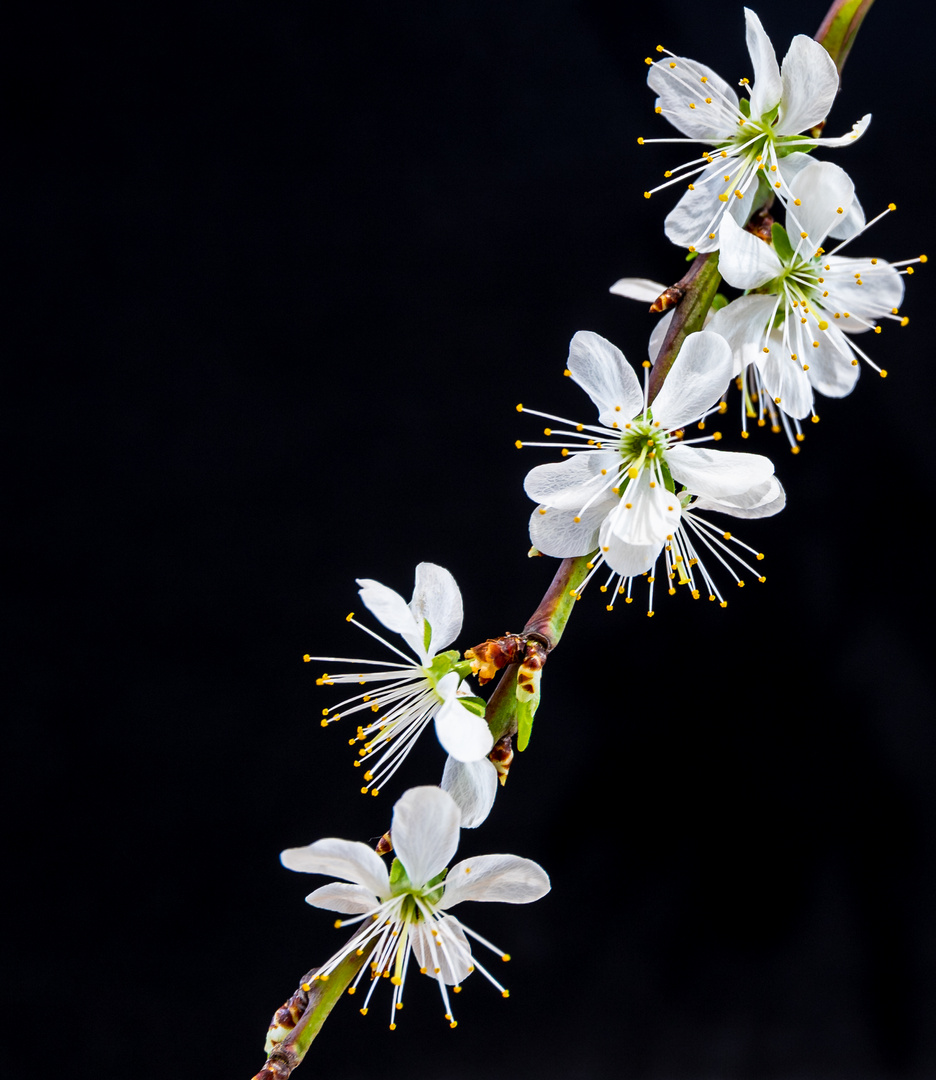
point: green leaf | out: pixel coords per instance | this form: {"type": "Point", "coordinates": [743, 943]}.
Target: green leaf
{"type": "Point", "coordinates": [476, 705]}
{"type": "Point", "coordinates": [781, 242]}
{"type": "Point", "coordinates": [526, 710]}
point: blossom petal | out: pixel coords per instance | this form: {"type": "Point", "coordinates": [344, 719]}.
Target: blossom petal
{"type": "Point", "coordinates": [505, 878]}
{"type": "Point", "coordinates": [569, 484]}
{"type": "Point", "coordinates": [438, 600]}
{"type": "Point", "coordinates": [785, 381]}
{"type": "Point", "coordinates": [763, 500]}
{"type": "Point", "coordinates": [557, 533]}
{"type": "Point", "coordinates": [717, 473]}
{"type": "Point", "coordinates": [698, 212]}
{"type": "Point", "coordinates": [473, 786]}
{"type": "Point", "coordinates": [424, 832]}
{"type": "Point", "coordinates": [832, 370]}
{"type": "Point", "coordinates": [743, 324]}
{"type": "Point", "coordinates": [810, 83]}
{"type": "Point", "coordinates": [823, 188]}
{"type": "Point", "coordinates": [638, 288]}
{"type": "Point", "coordinates": [346, 859]}
{"type": "Point", "coordinates": [858, 129]}
{"type": "Point", "coordinates": [602, 371]}
{"type": "Point", "coordinates": [630, 560]}
{"type": "Point", "coordinates": [391, 609]}
{"type": "Point", "coordinates": [348, 899]}
{"type": "Point", "coordinates": [646, 514]}
{"type": "Point", "coordinates": [881, 291]}
{"type": "Point", "coordinates": [698, 378]}
{"type": "Point", "coordinates": [445, 955]}
{"type": "Point", "coordinates": [462, 733]}
{"type": "Point", "coordinates": [658, 336]}
{"type": "Point", "coordinates": [851, 222]}
{"type": "Point", "coordinates": [745, 260]}
{"type": "Point", "coordinates": [767, 88]}
{"type": "Point", "coordinates": [677, 81]}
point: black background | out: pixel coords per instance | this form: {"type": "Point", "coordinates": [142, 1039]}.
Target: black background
{"type": "Point", "coordinates": [279, 278]}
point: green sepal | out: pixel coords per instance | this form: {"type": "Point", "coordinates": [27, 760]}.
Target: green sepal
{"type": "Point", "coordinates": [745, 106]}
{"type": "Point", "coordinates": [399, 879]}
{"type": "Point", "coordinates": [781, 243]}
{"type": "Point", "coordinates": [526, 710]}
{"type": "Point", "coordinates": [719, 301]}
{"type": "Point", "coordinates": [667, 477]}
{"type": "Point", "coordinates": [692, 255]}
{"type": "Point", "coordinates": [436, 896]}
{"type": "Point", "coordinates": [476, 705]}
{"type": "Point", "coordinates": [427, 634]}
{"type": "Point", "coordinates": [442, 664]}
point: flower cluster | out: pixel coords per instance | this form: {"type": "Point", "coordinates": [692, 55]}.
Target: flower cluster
{"type": "Point", "coordinates": [634, 490]}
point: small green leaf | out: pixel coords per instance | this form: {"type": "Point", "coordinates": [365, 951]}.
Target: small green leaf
{"type": "Point", "coordinates": [692, 255]}
{"type": "Point", "coordinates": [474, 704]}
{"type": "Point", "coordinates": [781, 242]}
{"type": "Point", "coordinates": [427, 633]}
{"type": "Point", "coordinates": [526, 710]}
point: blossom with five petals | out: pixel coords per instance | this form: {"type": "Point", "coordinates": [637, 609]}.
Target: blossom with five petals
{"type": "Point", "coordinates": [754, 139]}
{"type": "Point", "coordinates": [616, 491]}
{"type": "Point", "coordinates": [406, 695]}
{"type": "Point", "coordinates": [795, 332]}
{"type": "Point", "coordinates": [406, 912]}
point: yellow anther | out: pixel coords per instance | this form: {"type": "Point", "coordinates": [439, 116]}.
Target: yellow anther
{"type": "Point", "coordinates": [804, 235]}
{"type": "Point", "coordinates": [716, 435]}
{"type": "Point", "coordinates": [374, 791]}
{"type": "Point", "coordinates": [567, 373]}
{"type": "Point", "coordinates": [646, 194]}
{"type": "Point", "coordinates": [648, 60]}
{"type": "Point", "coordinates": [883, 374]}
{"type": "Point", "coordinates": [576, 520]}
{"type": "Point", "coordinates": [905, 320]}
{"type": "Point", "coordinates": [840, 211]}
{"type": "Point", "coordinates": [923, 259]}
{"type": "Point", "coordinates": [794, 449]}
{"type": "Point", "coordinates": [708, 101]}
{"type": "Point", "coordinates": [691, 104]}
{"type": "Point", "coordinates": [640, 141]}
{"type": "Point", "coordinates": [796, 202]}
{"type": "Point", "coordinates": [505, 993]}
{"type": "Point", "coordinates": [658, 109]}
{"type": "Point", "coordinates": [692, 188]}
{"type": "Point", "coordinates": [891, 206]}
{"type": "Point", "coordinates": [349, 616]}
{"type": "Point", "coordinates": [723, 198]}
{"type": "Point", "coordinates": [649, 614]}
{"type": "Point", "coordinates": [520, 407]}
{"type": "Point", "coordinates": [306, 658]}
{"type": "Point", "coordinates": [766, 349]}
{"type": "Point", "coordinates": [823, 325]}
{"type": "Point", "coordinates": [672, 64]}
{"type": "Point", "coordinates": [910, 270]}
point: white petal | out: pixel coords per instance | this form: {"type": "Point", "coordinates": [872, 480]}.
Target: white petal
{"type": "Point", "coordinates": [437, 599]}
{"type": "Point", "coordinates": [850, 223]}
{"type": "Point", "coordinates": [831, 370]}
{"type": "Point", "coordinates": [569, 484]}
{"type": "Point", "coordinates": [462, 733]}
{"type": "Point", "coordinates": [391, 609]}
{"type": "Point", "coordinates": [678, 83]}
{"type": "Point", "coordinates": [346, 859]}
{"type": "Point", "coordinates": [629, 559]}
{"type": "Point", "coordinates": [785, 380]}
{"type": "Point", "coordinates": [348, 899]}
{"type": "Point", "coordinates": [643, 519]}
{"type": "Point", "coordinates": [505, 878]}
{"type": "Point", "coordinates": [743, 324]}
{"type": "Point", "coordinates": [698, 378]}
{"type": "Point", "coordinates": [717, 472]}
{"type": "Point", "coordinates": [424, 832]}
{"type": "Point", "coordinates": [761, 501]}
{"type": "Point", "coordinates": [745, 260]}
{"type": "Point", "coordinates": [473, 786]}
{"type": "Point", "coordinates": [558, 534]}
{"type": "Point", "coordinates": [881, 291]}
{"type": "Point", "coordinates": [658, 336]}
{"type": "Point", "coordinates": [858, 129]}
{"type": "Point", "coordinates": [823, 188]}
{"type": "Point", "coordinates": [602, 371]}
{"type": "Point", "coordinates": [452, 957]}
{"type": "Point", "coordinates": [810, 83]}
{"type": "Point", "coordinates": [638, 288]}
{"type": "Point", "coordinates": [765, 93]}
{"type": "Point", "coordinates": [698, 212]}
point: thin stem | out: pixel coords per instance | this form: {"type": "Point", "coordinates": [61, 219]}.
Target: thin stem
{"type": "Point", "coordinates": [839, 27]}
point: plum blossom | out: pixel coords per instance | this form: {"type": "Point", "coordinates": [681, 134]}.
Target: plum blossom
{"type": "Point", "coordinates": [615, 494]}
{"type": "Point", "coordinates": [794, 333]}
{"type": "Point", "coordinates": [405, 912]}
{"type": "Point", "coordinates": [757, 140]}
{"type": "Point", "coordinates": [405, 695]}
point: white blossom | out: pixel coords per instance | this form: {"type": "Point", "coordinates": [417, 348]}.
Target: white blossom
{"type": "Point", "coordinates": [405, 912]}
{"type": "Point", "coordinates": [405, 695]}
{"type": "Point", "coordinates": [757, 141]}
{"type": "Point", "coordinates": [615, 494]}
{"type": "Point", "coordinates": [794, 333]}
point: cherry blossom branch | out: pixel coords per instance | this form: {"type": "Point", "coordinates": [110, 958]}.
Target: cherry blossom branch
{"type": "Point", "coordinates": [839, 27]}
{"type": "Point", "coordinates": [303, 1015]}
